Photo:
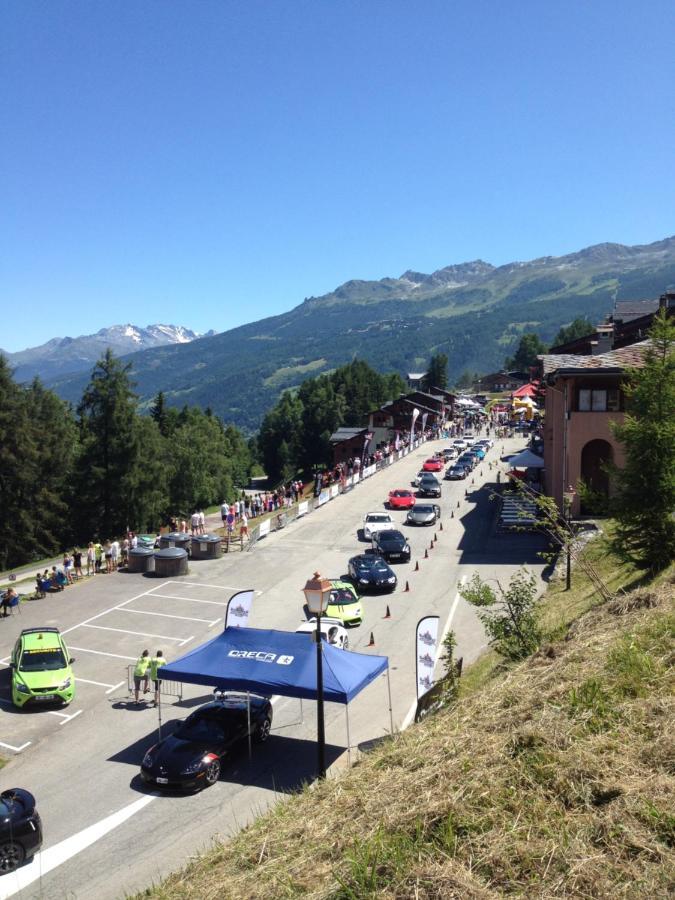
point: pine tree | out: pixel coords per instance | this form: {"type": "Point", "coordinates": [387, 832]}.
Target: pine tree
{"type": "Point", "coordinates": [437, 374]}
{"type": "Point", "coordinates": [645, 502]}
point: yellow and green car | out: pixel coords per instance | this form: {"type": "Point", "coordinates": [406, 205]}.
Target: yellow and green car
{"type": "Point", "coordinates": [344, 603]}
{"type": "Point", "coordinates": [41, 668]}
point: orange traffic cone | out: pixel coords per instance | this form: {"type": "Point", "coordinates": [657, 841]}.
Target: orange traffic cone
{"type": "Point", "coordinates": [426, 554]}
{"type": "Point", "coordinates": [458, 500]}
{"type": "Point", "coordinates": [441, 527]}
{"type": "Point", "coordinates": [435, 536]}
{"type": "Point", "coordinates": [387, 614]}
{"type": "Point", "coordinates": [407, 589]}
{"type": "Point", "coordinates": [417, 566]}
{"type": "Point", "coordinates": [371, 642]}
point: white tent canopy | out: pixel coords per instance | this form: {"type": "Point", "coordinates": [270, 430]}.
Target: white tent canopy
{"type": "Point", "coordinates": [526, 460]}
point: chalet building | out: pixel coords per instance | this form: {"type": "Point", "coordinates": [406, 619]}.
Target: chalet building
{"type": "Point", "coordinates": [498, 382]}
{"type": "Point", "coordinates": [348, 443]}
{"type": "Point", "coordinates": [415, 380]}
{"type": "Point", "coordinates": [583, 398]}
{"type": "Point", "coordinates": [397, 416]}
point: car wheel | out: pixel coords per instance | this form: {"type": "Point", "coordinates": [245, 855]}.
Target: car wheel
{"type": "Point", "coordinates": [212, 773]}
{"type": "Point", "coordinates": [263, 731]}
{"type": "Point", "coordinates": [11, 856]}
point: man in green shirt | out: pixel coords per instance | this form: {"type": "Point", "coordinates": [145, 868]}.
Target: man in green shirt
{"type": "Point", "coordinates": [141, 674]}
{"type": "Point", "coordinates": [156, 663]}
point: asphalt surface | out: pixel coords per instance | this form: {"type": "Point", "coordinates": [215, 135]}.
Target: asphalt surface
{"type": "Point", "coordinates": [105, 833]}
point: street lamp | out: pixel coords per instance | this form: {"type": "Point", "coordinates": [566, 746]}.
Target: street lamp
{"type": "Point", "coordinates": [317, 594]}
{"type": "Point", "coordinates": [568, 499]}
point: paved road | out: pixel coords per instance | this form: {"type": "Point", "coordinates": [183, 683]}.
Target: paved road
{"type": "Point", "coordinates": [104, 833]}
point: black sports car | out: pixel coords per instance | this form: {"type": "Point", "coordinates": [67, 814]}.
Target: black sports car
{"type": "Point", "coordinates": [391, 545]}
{"type": "Point", "coordinates": [424, 514]}
{"type": "Point", "coordinates": [190, 758]}
{"type": "Point", "coordinates": [370, 572]}
{"type": "Point", "coordinates": [20, 828]}
{"type": "Point", "coordinates": [457, 472]}
{"type": "Point", "coordinates": [429, 486]}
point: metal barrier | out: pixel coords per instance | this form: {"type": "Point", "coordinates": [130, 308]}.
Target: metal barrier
{"type": "Point", "coordinates": [166, 688]}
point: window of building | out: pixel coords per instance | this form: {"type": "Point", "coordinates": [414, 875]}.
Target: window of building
{"type": "Point", "coordinates": [598, 400]}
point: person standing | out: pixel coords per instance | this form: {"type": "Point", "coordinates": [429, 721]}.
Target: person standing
{"type": "Point", "coordinates": [91, 559]}
{"type": "Point", "coordinates": [202, 522]}
{"type": "Point", "coordinates": [156, 664]}
{"type": "Point", "coordinates": [98, 556]}
{"type": "Point", "coordinates": [141, 674]}
{"type": "Point", "coordinates": [115, 555]}
{"type": "Point", "coordinates": [77, 562]}
{"type": "Point", "coordinates": [243, 526]}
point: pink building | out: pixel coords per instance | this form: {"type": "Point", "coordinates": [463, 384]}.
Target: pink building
{"type": "Point", "coordinates": [583, 397]}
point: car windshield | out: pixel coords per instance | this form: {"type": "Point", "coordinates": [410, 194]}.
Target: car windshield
{"type": "Point", "coordinates": [342, 596]}
{"type": "Point", "coordinates": [423, 508]}
{"type": "Point", "coordinates": [200, 728]}
{"type": "Point", "coordinates": [390, 536]}
{"type": "Point", "coordinates": [376, 518]}
{"type": "Point", "coordinates": [42, 660]}
{"type": "Point", "coordinates": [401, 493]}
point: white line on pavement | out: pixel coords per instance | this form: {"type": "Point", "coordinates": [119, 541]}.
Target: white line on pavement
{"type": "Point", "coordinates": [74, 716]}
{"type": "Point", "coordinates": [55, 856]}
{"type": "Point", "coordinates": [97, 683]}
{"type": "Point", "coordinates": [191, 599]}
{"type": "Point", "coordinates": [215, 622]}
{"type": "Point", "coordinates": [102, 653]}
{"type": "Point", "coordinates": [15, 749]}
{"type": "Point", "coordinates": [164, 637]}
{"type": "Point", "coordinates": [106, 611]}
{"type": "Point", "coordinates": [53, 712]}
{"type": "Point", "coordinates": [186, 641]}
{"type": "Point", "coordinates": [115, 686]}
{"type": "Point", "coordinates": [144, 612]}
{"type": "Point", "coordinates": [219, 587]}
{"type": "Point", "coordinates": [410, 715]}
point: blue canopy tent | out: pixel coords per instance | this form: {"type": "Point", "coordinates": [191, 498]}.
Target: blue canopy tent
{"type": "Point", "coordinates": [259, 661]}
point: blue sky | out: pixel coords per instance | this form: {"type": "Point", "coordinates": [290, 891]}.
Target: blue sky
{"type": "Point", "coordinates": [209, 163]}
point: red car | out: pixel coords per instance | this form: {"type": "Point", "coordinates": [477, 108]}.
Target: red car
{"type": "Point", "coordinates": [433, 465]}
{"type": "Point", "coordinates": [401, 499]}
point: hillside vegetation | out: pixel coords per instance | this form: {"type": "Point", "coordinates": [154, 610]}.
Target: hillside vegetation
{"type": "Point", "coordinates": [555, 779]}
{"type": "Point", "coordinates": [474, 313]}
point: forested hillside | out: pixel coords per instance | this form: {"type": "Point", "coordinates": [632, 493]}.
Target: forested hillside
{"type": "Point", "coordinates": [474, 313]}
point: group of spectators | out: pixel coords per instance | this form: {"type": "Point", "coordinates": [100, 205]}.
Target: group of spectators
{"type": "Point", "coordinates": [99, 558]}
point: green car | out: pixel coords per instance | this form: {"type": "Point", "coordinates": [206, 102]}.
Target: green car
{"type": "Point", "coordinates": [344, 603]}
{"type": "Point", "coordinates": [40, 667]}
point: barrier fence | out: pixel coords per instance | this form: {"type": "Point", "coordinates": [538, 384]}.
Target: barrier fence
{"type": "Point", "coordinates": [286, 516]}
{"type": "Point", "coordinates": [166, 688]}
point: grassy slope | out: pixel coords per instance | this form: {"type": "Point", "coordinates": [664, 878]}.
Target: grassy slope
{"type": "Point", "coordinates": [555, 779]}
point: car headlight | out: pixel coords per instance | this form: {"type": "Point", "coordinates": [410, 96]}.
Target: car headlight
{"type": "Point", "coordinates": [363, 581]}
{"type": "Point", "coordinates": [148, 759]}
{"type": "Point", "coordinates": [391, 580]}
{"type": "Point", "coordinates": [22, 688]}
{"type": "Point", "coordinates": [198, 763]}
{"type": "Point", "coordinates": [65, 684]}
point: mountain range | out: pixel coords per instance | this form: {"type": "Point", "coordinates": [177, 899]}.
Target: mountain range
{"type": "Point", "coordinates": [474, 312]}
{"type": "Point", "coordinates": [65, 355]}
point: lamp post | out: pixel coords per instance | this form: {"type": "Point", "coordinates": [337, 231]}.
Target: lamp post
{"type": "Point", "coordinates": [568, 499]}
{"type": "Point", "coordinates": [317, 594]}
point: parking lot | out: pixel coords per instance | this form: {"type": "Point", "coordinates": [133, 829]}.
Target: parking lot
{"type": "Point", "coordinates": [166, 616]}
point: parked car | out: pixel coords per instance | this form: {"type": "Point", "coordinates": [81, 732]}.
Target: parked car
{"type": "Point", "coordinates": [41, 668]}
{"type": "Point", "coordinates": [191, 758]}
{"type": "Point", "coordinates": [332, 631]}
{"type": "Point", "coordinates": [401, 498]}
{"type": "Point", "coordinates": [370, 572]}
{"type": "Point", "coordinates": [374, 521]}
{"type": "Point", "coordinates": [432, 465]}
{"type": "Point", "coordinates": [20, 829]}
{"type": "Point", "coordinates": [344, 604]}
{"type": "Point", "coordinates": [456, 473]}
{"type": "Point", "coordinates": [449, 453]}
{"type": "Point", "coordinates": [424, 514]}
{"type": "Point", "coordinates": [429, 486]}
{"type": "Point", "coordinates": [391, 545]}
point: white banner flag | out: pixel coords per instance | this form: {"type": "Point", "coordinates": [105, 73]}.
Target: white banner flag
{"type": "Point", "coordinates": [415, 414]}
{"type": "Point", "coordinates": [426, 638]}
{"type": "Point", "coordinates": [239, 609]}
{"type": "Point", "coordinates": [424, 421]}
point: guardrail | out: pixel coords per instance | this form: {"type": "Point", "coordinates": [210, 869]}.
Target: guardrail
{"type": "Point", "coordinates": [166, 688]}
{"type": "Point", "coordinates": [289, 515]}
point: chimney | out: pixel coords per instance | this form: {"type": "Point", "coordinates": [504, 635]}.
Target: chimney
{"type": "Point", "coordinates": [667, 300]}
{"type": "Point", "coordinates": [602, 343]}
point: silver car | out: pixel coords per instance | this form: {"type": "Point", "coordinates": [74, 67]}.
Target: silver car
{"type": "Point", "coordinates": [424, 514]}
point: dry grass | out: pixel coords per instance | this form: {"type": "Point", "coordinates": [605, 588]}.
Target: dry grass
{"type": "Point", "coordinates": [555, 780]}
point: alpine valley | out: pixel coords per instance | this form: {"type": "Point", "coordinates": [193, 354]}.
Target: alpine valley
{"type": "Point", "coordinates": [473, 312]}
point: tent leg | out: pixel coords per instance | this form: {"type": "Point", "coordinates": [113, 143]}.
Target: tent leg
{"type": "Point", "coordinates": [159, 713]}
{"type": "Point", "coordinates": [248, 714]}
{"type": "Point", "coordinates": [349, 740]}
{"type": "Point", "coordinates": [391, 714]}
{"type": "Point", "coordinates": [302, 713]}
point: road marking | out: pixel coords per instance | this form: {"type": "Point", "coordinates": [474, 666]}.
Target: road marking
{"type": "Point", "coordinates": [115, 686]}
{"type": "Point", "coordinates": [55, 856]}
{"type": "Point", "coordinates": [144, 612]}
{"type": "Point", "coordinates": [74, 716]}
{"type": "Point", "coordinates": [164, 637]}
{"type": "Point", "coordinates": [110, 609]}
{"type": "Point", "coordinates": [15, 749]}
{"type": "Point", "coordinates": [53, 712]}
{"type": "Point", "coordinates": [219, 587]}
{"type": "Point", "coordinates": [215, 622]}
{"type": "Point", "coordinates": [102, 653]}
{"type": "Point", "coordinates": [97, 683]}
{"type": "Point", "coordinates": [410, 715]}
{"type": "Point", "coordinates": [186, 641]}
{"type": "Point", "coordinates": [191, 599]}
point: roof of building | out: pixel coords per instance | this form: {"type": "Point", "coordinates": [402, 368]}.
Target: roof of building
{"type": "Point", "coordinates": [346, 434]}
{"type": "Point", "coordinates": [623, 358]}
{"type": "Point", "coordinates": [625, 310]}
{"type": "Point", "coordinates": [416, 376]}
{"type": "Point", "coordinates": [527, 390]}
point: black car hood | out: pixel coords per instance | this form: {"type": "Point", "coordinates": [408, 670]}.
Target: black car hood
{"type": "Point", "coordinates": [392, 543]}
{"type": "Point", "coordinates": [174, 754]}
